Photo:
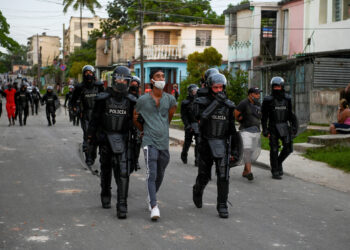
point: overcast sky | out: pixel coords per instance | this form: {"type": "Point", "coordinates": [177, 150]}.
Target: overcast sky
{"type": "Point", "coordinates": [29, 17]}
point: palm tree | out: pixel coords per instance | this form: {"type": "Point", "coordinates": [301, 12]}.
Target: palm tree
{"type": "Point", "coordinates": [90, 4]}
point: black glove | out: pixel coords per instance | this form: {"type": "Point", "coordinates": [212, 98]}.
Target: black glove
{"type": "Point", "coordinates": [188, 128]}
{"type": "Point", "coordinates": [220, 97]}
{"type": "Point", "coordinates": [265, 133]}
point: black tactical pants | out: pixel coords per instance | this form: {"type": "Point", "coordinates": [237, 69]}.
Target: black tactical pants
{"type": "Point", "coordinates": [36, 107]}
{"type": "Point", "coordinates": [118, 164]}
{"type": "Point", "coordinates": [276, 158]}
{"type": "Point", "coordinates": [50, 113]}
{"type": "Point", "coordinates": [205, 163]}
{"type": "Point", "coordinates": [23, 112]}
{"type": "Point", "coordinates": [187, 144]}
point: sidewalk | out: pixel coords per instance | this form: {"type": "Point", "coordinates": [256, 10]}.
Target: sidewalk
{"type": "Point", "coordinates": [297, 166]}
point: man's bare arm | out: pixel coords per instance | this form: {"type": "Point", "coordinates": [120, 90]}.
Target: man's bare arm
{"type": "Point", "coordinates": [171, 113]}
{"type": "Point", "coordinates": [137, 124]}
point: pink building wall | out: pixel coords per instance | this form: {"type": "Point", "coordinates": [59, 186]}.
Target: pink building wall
{"type": "Point", "coordinates": [296, 20]}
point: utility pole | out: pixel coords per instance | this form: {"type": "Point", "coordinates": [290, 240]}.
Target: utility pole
{"type": "Point", "coordinates": [39, 64]}
{"type": "Point", "coordinates": [63, 45]}
{"type": "Point", "coordinates": [141, 48]}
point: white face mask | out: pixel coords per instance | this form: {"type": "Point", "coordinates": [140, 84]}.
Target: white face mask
{"type": "Point", "coordinates": [159, 84]}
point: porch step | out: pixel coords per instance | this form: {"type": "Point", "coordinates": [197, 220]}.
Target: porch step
{"type": "Point", "coordinates": [303, 147]}
{"type": "Point", "coordinates": [329, 140]}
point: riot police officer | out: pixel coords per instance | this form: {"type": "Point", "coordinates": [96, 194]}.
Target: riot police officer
{"type": "Point", "coordinates": [23, 98]}
{"type": "Point", "coordinates": [112, 117]}
{"type": "Point", "coordinates": [50, 98]}
{"type": "Point", "coordinates": [86, 92]}
{"type": "Point", "coordinates": [217, 130]}
{"type": "Point", "coordinates": [278, 123]}
{"type": "Point", "coordinates": [68, 99]}
{"type": "Point", "coordinates": [36, 99]}
{"type": "Point", "coordinates": [190, 123]}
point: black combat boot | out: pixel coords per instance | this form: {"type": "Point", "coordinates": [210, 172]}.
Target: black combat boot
{"type": "Point", "coordinates": [122, 206]}
{"type": "Point", "coordinates": [184, 157]}
{"type": "Point", "coordinates": [222, 198]}
{"type": "Point", "coordinates": [198, 195]}
{"type": "Point", "coordinates": [106, 198]}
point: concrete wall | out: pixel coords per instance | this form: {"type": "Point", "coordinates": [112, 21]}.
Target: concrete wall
{"type": "Point", "coordinates": [324, 106]}
{"type": "Point", "coordinates": [296, 22]}
{"type": "Point", "coordinates": [50, 49]}
{"type": "Point", "coordinates": [328, 36]}
{"type": "Point", "coordinates": [74, 30]}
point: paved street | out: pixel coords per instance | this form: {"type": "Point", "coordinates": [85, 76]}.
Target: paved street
{"type": "Point", "coordinates": [48, 200]}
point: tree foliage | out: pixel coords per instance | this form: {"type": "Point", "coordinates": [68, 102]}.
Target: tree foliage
{"type": "Point", "coordinates": [6, 41]}
{"type": "Point", "coordinates": [75, 70]}
{"type": "Point", "coordinates": [237, 85]}
{"type": "Point", "coordinates": [85, 55]}
{"type": "Point", "coordinates": [124, 14]}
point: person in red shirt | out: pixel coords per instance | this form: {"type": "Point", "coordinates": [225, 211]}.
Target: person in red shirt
{"type": "Point", "coordinates": [9, 93]}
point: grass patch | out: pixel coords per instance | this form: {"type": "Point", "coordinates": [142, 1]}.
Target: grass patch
{"type": "Point", "coordinates": [335, 156]}
{"type": "Point", "coordinates": [177, 123]}
{"type": "Point", "coordinates": [319, 124]}
{"type": "Point", "coordinates": [301, 138]}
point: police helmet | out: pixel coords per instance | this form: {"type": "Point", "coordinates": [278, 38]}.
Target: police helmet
{"type": "Point", "coordinates": [277, 80]}
{"type": "Point", "coordinates": [136, 79]}
{"type": "Point", "coordinates": [191, 88]}
{"type": "Point", "coordinates": [216, 78]}
{"type": "Point", "coordinates": [121, 73]}
{"type": "Point", "coordinates": [88, 68]}
{"type": "Point", "coordinates": [209, 72]}
{"type": "Point", "coordinates": [49, 88]}
{"type": "Point", "coordinates": [71, 87]}
{"type": "Point", "coordinates": [25, 84]}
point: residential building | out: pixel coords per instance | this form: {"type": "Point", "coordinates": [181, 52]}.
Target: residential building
{"type": "Point", "coordinates": [119, 50]}
{"type": "Point", "coordinates": [167, 46]}
{"type": "Point", "coordinates": [43, 47]}
{"type": "Point", "coordinates": [327, 25]}
{"type": "Point", "coordinates": [72, 37]}
{"type": "Point", "coordinates": [252, 30]}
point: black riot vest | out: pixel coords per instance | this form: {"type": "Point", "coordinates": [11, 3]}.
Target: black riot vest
{"type": "Point", "coordinates": [88, 101]}
{"type": "Point", "coordinates": [50, 101]}
{"type": "Point", "coordinates": [35, 96]}
{"type": "Point", "coordinates": [217, 126]}
{"type": "Point", "coordinates": [116, 116]}
{"type": "Point", "coordinates": [280, 110]}
{"type": "Point", "coordinates": [23, 99]}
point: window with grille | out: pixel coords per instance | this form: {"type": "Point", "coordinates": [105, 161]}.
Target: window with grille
{"type": "Point", "coordinates": [203, 38]}
{"type": "Point", "coordinates": [161, 38]}
{"type": "Point", "coordinates": [337, 6]}
{"type": "Point", "coordinates": [90, 25]}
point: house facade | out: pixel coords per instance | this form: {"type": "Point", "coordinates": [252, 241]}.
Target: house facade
{"type": "Point", "coordinates": [327, 25]}
{"type": "Point", "coordinates": [72, 36]}
{"type": "Point", "coordinates": [43, 47]}
{"type": "Point", "coordinates": [167, 46]}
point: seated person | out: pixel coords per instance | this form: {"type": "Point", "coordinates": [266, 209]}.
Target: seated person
{"type": "Point", "coordinates": [343, 124]}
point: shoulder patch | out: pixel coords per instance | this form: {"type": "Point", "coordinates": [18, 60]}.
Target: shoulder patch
{"type": "Point", "coordinates": [230, 104]}
{"type": "Point", "coordinates": [131, 98]}
{"type": "Point", "coordinates": [185, 102]}
{"type": "Point", "coordinates": [268, 98]}
{"type": "Point", "coordinates": [201, 101]}
{"type": "Point", "coordinates": [102, 96]}
{"type": "Point", "coordinates": [288, 97]}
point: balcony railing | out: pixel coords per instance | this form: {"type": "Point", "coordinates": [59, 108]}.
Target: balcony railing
{"type": "Point", "coordinates": [155, 52]}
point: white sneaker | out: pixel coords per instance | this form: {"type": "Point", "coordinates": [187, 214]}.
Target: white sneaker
{"type": "Point", "coordinates": [155, 214]}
